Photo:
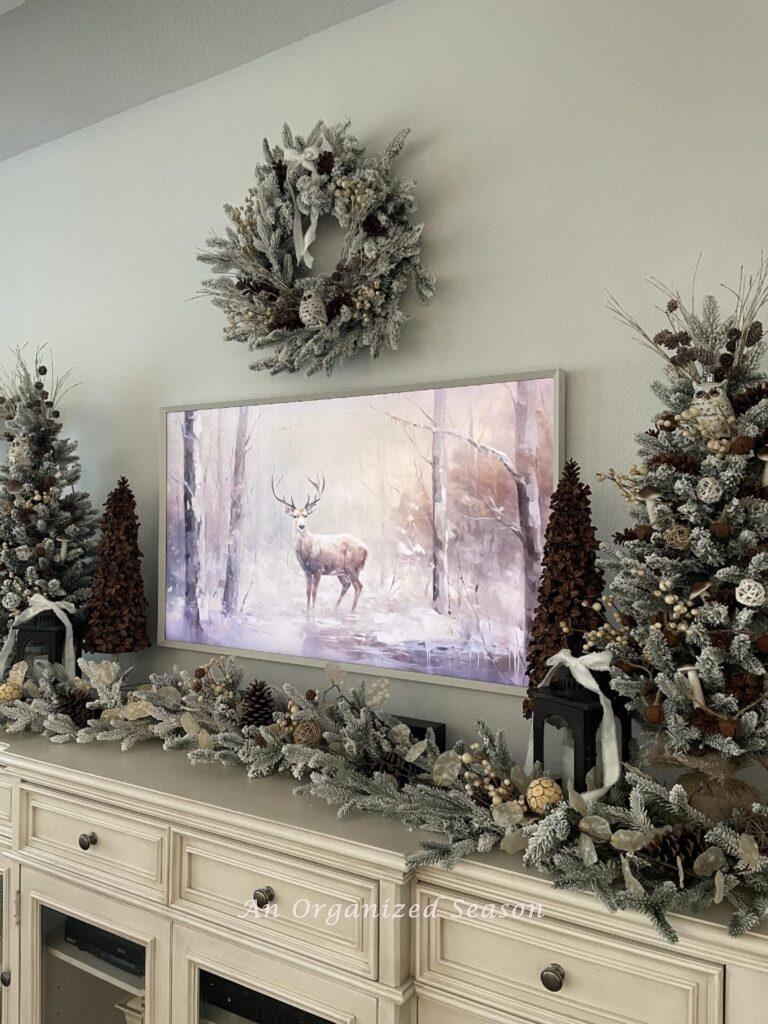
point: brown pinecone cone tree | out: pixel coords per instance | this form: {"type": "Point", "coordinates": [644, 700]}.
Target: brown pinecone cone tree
{"type": "Point", "coordinates": [570, 578]}
{"type": "Point", "coordinates": [118, 606]}
{"type": "Point", "coordinates": [257, 705]}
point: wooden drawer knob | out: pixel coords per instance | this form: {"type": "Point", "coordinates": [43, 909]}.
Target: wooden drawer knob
{"type": "Point", "coordinates": [263, 896]}
{"type": "Point", "coordinates": [5, 979]}
{"type": "Point", "coordinates": [552, 977]}
{"type": "Point", "coordinates": [87, 840]}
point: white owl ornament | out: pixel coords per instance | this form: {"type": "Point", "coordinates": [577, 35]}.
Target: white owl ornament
{"type": "Point", "coordinates": [711, 410]}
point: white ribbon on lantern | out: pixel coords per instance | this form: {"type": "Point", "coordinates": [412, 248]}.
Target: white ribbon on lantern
{"type": "Point", "coordinates": [306, 158]}
{"type": "Point", "coordinates": [581, 670]}
{"type": "Point", "coordinates": [37, 603]}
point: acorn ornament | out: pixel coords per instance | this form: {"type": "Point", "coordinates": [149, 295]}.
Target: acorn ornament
{"type": "Point", "coordinates": [542, 794]}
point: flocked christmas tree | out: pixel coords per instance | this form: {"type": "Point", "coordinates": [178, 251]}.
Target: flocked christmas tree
{"type": "Point", "coordinates": [571, 582]}
{"type": "Point", "coordinates": [117, 621]}
{"type": "Point", "coordinates": [689, 629]}
{"type": "Point", "coordinates": [47, 527]}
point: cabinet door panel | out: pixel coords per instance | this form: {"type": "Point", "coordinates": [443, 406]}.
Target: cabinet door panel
{"type": "Point", "coordinates": [87, 952]}
{"type": "Point", "coordinates": [9, 941]}
{"type": "Point", "coordinates": [213, 978]}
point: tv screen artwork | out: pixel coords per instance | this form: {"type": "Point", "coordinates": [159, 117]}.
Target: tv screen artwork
{"type": "Point", "coordinates": [397, 532]}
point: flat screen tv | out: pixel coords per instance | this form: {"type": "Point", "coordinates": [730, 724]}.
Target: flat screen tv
{"type": "Point", "coordinates": [398, 532]}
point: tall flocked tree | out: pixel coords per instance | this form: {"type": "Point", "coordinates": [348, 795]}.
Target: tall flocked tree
{"type": "Point", "coordinates": [690, 577]}
{"type": "Point", "coordinates": [117, 621]}
{"type": "Point", "coordinates": [47, 527]}
{"type": "Point", "coordinates": [571, 582]}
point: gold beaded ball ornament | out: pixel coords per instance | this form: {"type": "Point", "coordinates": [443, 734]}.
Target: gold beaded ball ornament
{"type": "Point", "coordinates": [274, 303]}
{"type": "Point", "coordinates": [542, 794]}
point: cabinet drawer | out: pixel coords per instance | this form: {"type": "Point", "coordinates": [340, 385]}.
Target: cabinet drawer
{"type": "Point", "coordinates": [431, 1010]}
{"type": "Point", "coordinates": [478, 950]}
{"type": "Point", "coordinates": [128, 849]}
{"type": "Point", "coordinates": [325, 915]}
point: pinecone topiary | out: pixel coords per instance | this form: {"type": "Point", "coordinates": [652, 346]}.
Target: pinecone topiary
{"type": "Point", "coordinates": [257, 705]}
{"type": "Point", "coordinates": [571, 581]}
{"type": "Point", "coordinates": [392, 763]}
{"type": "Point", "coordinates": [74, 704]}
{"type": "Point", "coordinates": [684, 841]}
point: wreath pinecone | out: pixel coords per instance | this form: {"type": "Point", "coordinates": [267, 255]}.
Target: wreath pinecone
{"type": "Point", "coordinates": [74, 703]}
{"type": "Point", "coordinates": [684, 841]}
{"type": "Point", "coordinates": [746, 687]}
{"type": "Point", "coordinates": [258, 705]}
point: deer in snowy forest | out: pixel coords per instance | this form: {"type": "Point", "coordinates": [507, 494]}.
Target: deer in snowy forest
{"type": "Point", "coordinates": [322, 554]}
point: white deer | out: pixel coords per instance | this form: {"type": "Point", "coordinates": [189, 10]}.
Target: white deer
{"type": "Point", "coordinates": [322, 554]}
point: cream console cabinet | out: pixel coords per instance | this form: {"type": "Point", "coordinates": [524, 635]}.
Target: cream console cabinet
{"type": "Point", "coordinates": [136, 888]}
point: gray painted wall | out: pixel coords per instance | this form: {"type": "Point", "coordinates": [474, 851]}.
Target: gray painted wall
{"type": "Point", "coordinates": [561, 149]}
{"type": "Point", "coordinates": [65, 64]}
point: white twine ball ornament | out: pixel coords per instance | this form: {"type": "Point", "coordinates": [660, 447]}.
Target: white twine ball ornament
{"type": "Point", "coordinates": [709, 490]}
{"type": "Point", "coordinates": [750, 593]}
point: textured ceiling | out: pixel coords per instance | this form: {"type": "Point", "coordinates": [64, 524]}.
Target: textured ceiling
{"type": "Point", "coordinates": [65, 64]}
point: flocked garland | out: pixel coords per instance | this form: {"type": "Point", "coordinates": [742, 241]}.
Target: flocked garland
{"type": "Point", "coordinates": [263, 263]}
{"type": "Point", "coordinates": [642, 847]}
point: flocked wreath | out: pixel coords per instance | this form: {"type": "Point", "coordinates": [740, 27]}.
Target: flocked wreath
{"type": "Point", "coordinates": [263, 264]}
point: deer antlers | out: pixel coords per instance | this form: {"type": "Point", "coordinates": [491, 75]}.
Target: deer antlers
{"type": "Point", "coordinates": [319, 486]}
{"type": "Point", "coordinates": [309, 504]}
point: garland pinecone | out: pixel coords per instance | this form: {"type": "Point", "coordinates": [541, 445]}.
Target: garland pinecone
{"type": "Point", "coordinates": [257, 705]}
{"type": "Point", "coordinates": [684, 841]}
{"type": "Point", "coordinates": [392, 763]}
{"type": "Point", "coordinates": [74, 703]}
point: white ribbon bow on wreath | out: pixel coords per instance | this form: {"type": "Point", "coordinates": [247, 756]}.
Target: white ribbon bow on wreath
{"type": "Point", "coordinates": [306, 158]}
{"type": "Point", "coordinates": [37, 603]}
{"type": "Point", "coordinates": [581, 670]}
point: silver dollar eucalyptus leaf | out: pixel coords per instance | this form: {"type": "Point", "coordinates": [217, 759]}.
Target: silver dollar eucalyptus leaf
{"type": "Point", "coordinates": [587, 849]}
{"type": "Point", "coordinates": [399, 733]}
{"type": "Point", "coordinates": [519, 778]}
{"type": "Point", "coordinates": [446, 769]}
{"type": "Point", "coordinates": [634, 888]}
{"type": "Point", "coordinates": [416, 751]}
{"type": "Point", "coordinates": [514, 842]}
{"type": "Point", "coordinates": [507, 814]}
{"type": "Point", "coordinates": [577, 801]}
{"type": "Point", "coordinates": [189, 724]}
{"type": "Point", "coordinates": [748, 851]}
{"type": "Point", "coordinates": [597, 827]}
{"type": "Point", "coordinates": [719, 887]}
{"type": "Point", "coordinates": [630, 840]}
{"type": "Point", "coordinates": [707, 863]}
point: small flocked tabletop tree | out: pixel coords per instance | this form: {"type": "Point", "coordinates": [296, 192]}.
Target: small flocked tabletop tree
{"type": "Point", "coordinates": [571, 582]}
{"type": "Point", "coordinates": [689, 589]}
{"type": "Point", "coordinates": [118, 605]}
{"type": "Point", "coordinates": [47, 527]}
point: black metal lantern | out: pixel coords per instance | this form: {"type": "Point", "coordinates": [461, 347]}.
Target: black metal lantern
{"type": "Point", "coordinates": [581, 712]}
{"type": "Point", "coordinates": [43, 639]}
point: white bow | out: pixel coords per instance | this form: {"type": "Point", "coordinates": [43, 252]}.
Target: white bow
{"type": "Point", "coordinates": [37, 603]}
{"type": "Point", "coordinates": [306, 158]}
{"type": "Point", "coordinates": [581, 670]}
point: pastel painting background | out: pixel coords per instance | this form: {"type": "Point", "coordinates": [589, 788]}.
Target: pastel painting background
{"type": "Point", "coordinates": [446, 490]}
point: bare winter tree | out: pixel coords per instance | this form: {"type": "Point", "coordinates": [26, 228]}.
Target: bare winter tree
{"type": "Point", "coordinates": [439, 508]}
{"type": "Point", "coordinates": [191, 528]}
{"type": "Point", "coordinates": [525, 528]}
{"type": "Point", "coordinates": [234, 544]}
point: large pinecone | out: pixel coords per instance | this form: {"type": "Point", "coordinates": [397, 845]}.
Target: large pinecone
{"type": "Point", "coordinates": [392, 763]}
{"type": "Point", "coordinates": [684, 841]}
{"type": "Point", "coordinates": [74, 703]}
{"type": "Point", "coordinates": [745, 687]}
{"type": "Point", "coordinates": [257, 705]}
